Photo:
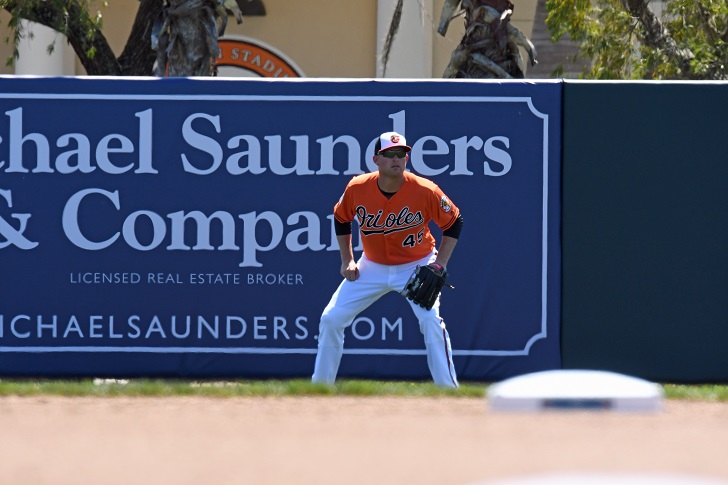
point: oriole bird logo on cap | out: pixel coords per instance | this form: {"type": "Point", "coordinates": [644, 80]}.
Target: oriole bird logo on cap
{"type": "Point", "coordinates": [394, 139]}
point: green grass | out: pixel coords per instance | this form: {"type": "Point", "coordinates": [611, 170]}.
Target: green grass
{"type": "Point", "coordinates": [697, 393]}
{"type": "Point", "coordinates": [278, 388]}
{"type": "Point", "coordinates": [240, 388]}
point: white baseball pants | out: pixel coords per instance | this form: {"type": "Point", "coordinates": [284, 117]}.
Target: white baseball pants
{"type": "Point", "coordinates": [353, 297]}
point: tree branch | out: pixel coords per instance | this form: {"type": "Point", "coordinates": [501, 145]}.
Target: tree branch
{"type": "Point", "coordinates": [657, 36]}
{"type": "Point", "coordinates": [90, 46]}
{"type": "Point", "coordinates": [712, 34]}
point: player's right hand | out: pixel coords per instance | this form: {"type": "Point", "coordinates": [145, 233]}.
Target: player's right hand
{"type": "Point", "coordinates": [350, 271]}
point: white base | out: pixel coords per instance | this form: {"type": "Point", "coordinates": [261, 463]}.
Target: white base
{"type": "Point", "coordinates": [575, 390]}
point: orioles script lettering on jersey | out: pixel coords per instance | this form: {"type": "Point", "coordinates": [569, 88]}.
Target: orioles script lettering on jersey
{"type": "Point", "coordinates": [372, 223]}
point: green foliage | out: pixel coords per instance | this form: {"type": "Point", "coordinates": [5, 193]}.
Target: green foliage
{"type": "Point", "coordinates": [624, 44]}
{"type": "Point", "coordinates": [60, 15]}
{"type": "Point", "coordinates": [702, 27]}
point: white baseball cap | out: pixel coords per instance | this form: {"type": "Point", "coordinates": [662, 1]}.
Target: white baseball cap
{"type": "Point", "coordinates": [391, 139]}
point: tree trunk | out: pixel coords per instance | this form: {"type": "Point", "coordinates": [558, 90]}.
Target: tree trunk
{"type": "Point", "coordinates": [186, 38]}
{"type": "Point", "coordinates": [138, 56]}
{"type": "Point", "coordinates": [490, 46]}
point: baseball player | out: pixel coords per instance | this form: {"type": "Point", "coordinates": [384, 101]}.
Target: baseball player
{"type": "Point", "coordinates": [393, 208]}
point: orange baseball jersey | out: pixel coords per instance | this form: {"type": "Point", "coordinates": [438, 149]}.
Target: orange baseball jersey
{"type": "Point", "coordinates": [395, 230]}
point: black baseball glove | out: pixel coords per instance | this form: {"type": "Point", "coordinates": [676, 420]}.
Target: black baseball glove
{"type": "Point", "coordinates": [425, 284]}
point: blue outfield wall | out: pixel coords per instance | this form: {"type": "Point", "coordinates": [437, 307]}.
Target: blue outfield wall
{"type": "Point", "coordinates": [182, 227]}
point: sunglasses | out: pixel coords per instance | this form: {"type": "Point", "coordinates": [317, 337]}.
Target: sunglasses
{"type": "Point", "coordinates": [393, 153]}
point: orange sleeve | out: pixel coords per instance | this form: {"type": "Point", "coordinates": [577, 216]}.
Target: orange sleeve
{"type": "Point", "coordinates": [444, 212]}
{"type": "Point", "coordinates": [343, 210]}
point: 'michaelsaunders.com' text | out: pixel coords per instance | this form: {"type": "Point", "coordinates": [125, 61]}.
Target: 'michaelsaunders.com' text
{"type": "Point", "coordinates": [55, 329]}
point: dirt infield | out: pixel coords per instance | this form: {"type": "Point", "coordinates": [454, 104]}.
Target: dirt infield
{"type": "Point", "coordinates": [342, 440]}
